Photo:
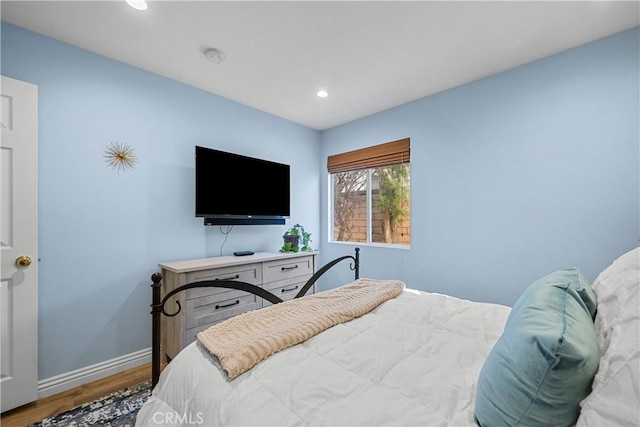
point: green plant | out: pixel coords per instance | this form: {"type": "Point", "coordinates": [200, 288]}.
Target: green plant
{"type": "Point", "coordinates": [296, 239]}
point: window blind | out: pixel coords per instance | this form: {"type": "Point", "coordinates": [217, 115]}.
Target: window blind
{"type": "Point", "coordinates": [390, 153]}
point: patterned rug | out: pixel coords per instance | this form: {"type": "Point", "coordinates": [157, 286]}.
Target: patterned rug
{"type": "Point", "coordinates": [117, 409]}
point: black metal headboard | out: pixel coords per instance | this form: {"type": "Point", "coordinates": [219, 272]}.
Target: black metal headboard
{"type": "Point", "coordinates": [158, 303]}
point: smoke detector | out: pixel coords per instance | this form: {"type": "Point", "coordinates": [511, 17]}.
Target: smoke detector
{"type": "Point", "coordinates": [214, 55]}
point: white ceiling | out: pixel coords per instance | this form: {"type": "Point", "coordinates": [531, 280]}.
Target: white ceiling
{"type": "Point", "coordinates": [369, 55]}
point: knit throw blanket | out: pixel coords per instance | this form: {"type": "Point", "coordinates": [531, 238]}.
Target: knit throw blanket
{"type": "Point", "coordinates": [243, 341]}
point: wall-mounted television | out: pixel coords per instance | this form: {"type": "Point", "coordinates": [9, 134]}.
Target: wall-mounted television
{"type": "Point", "coordinates": [232, 189]}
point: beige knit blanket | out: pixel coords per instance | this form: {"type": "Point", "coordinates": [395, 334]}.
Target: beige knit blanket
{"type": "Point", "coordinates": [245, 340]}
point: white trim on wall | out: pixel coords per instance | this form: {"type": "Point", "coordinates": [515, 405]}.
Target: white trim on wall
{"type": "Point", "coordinates": [69, 380]}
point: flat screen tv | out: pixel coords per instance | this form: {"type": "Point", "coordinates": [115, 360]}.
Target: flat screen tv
{"type": "Point", "coordinates": [232, 189]}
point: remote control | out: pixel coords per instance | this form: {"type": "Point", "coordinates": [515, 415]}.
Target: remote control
{"type": "Point", "coordinates": [243, 253]}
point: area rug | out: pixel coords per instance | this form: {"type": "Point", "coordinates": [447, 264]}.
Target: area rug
{"type": "Point", "coordinates": [117, 409]}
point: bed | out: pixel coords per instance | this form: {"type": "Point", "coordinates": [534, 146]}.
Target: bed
{"type": "Point", "coordinates": [567, 353]}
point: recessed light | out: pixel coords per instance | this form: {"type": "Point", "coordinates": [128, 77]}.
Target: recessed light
{"type": "Point", "coordinates": [137, 4]}
{"type": "Point", "coordinates": [322, 94]}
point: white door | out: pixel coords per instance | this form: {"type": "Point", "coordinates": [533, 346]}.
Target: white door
{"type": "Point", "coordinates": [19, 243]}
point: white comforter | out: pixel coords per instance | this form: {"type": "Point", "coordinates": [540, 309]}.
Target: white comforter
{"type": "Point", "coordinates": [414, 360]}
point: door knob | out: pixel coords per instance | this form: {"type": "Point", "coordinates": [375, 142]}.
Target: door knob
{"type": "Point", "coordinates": [23, 261]}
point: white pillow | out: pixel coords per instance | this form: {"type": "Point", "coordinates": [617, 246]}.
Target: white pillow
{"type": "Point", "coordinates": [615, 395]}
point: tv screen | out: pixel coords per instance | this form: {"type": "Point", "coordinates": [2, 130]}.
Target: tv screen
{"type": "Point", "coordinates": [235, 189]}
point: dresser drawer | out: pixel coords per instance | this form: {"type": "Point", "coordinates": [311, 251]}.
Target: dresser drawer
{"type": "Point", "coordinates": [250, 273]}
{"type": "Point", "coordinates": [215, 308]}
{"type": "Point", "coordinates": [273, 271]}
{"type": "Point", "coordinates": [192, 333]}
{"type": "Point", "coordinates": [287, 289]}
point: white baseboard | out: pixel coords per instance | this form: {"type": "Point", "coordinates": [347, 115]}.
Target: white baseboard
{"type": "Point", "coordinates": [69, 380]}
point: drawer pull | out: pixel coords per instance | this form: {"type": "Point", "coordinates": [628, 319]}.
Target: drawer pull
{"type": "Point", "coordinates": [237, 276]}
{"type": "Point", "coordinates": [228, 305]}
{"type": "Point", "coordinates": [290, 289]}
{"type": "Point", "coordinates": [290, 268]}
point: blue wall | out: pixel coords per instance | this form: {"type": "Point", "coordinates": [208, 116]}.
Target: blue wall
{"type": "Point", "coordinates": [102, 233]}
{"type": "Point", "coordinates": [515, 175]}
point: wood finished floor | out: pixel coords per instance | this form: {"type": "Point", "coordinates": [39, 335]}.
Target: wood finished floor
{"type": "Point", "coordinates": [56, 404]}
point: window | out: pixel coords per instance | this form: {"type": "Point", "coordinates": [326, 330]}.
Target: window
{"type": "Point", "coordinates": [370, 194]}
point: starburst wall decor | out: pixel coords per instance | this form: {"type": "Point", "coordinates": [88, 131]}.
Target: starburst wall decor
{"type": "Point", "coordinates": [120, 156]}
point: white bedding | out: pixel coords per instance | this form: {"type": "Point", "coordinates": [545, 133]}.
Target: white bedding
{"type": "Point", "coordinates": [414, 360]}
{"type": "Point", "coordinates": [615, 395]}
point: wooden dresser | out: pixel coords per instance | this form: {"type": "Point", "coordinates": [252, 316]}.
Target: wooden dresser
{"type": "Point", "coordinates": [283, 274]}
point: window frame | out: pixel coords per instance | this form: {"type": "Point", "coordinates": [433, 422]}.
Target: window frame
{"type": "Point", "coordinates": [351, 157]}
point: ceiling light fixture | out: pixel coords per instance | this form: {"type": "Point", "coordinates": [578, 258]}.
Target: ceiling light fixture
{"type": "Point", "coordinates": [137, 4]}
{"type": "Point", "coordinates": [322, 94]}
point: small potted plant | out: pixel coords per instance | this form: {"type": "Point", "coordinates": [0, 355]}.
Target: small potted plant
{"type": "Point", "coordinates": [296, 239]}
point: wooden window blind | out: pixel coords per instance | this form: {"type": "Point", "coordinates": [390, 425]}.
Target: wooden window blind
{"type": "Point", "coordinates": [390, 153]}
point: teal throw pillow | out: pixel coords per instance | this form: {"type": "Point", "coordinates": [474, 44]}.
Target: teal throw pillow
{"type": "Point", "coordinates": [543, 364]}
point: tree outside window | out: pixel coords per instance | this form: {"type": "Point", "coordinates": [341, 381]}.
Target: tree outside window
{"type": "Point", "coordinates": [390, 204]}
{"type": "Point", "coordinates": [349, 206]}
